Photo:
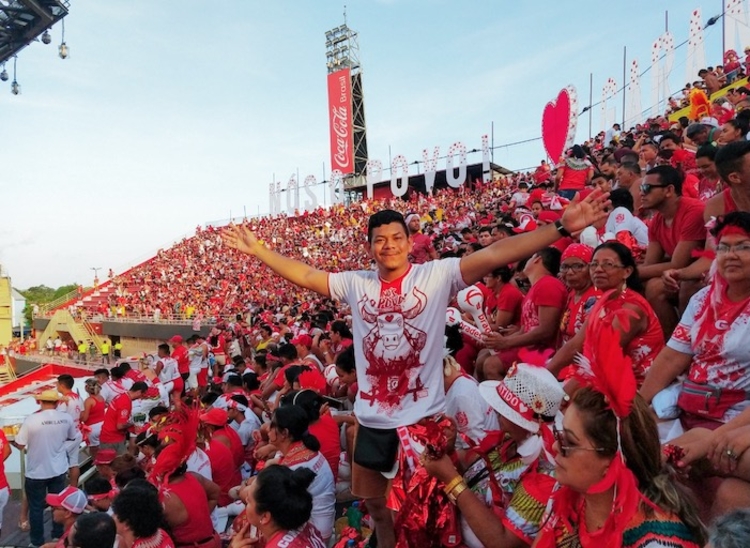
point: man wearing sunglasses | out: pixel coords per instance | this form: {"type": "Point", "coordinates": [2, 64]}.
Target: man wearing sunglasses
{"type": "Point", "coordinates": [677, 229]}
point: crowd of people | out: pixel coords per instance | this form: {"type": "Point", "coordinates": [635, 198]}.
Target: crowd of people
{"type": "Point", "coordinates": [555, 358]}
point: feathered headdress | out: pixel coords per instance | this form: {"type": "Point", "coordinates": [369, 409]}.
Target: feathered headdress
{"type": "Point", "coordinates": [606, 369]}
{"type": "Point", "coordinates": [178, 433]}
{"type": "Point", "coordinates": [700, 106]}
{"type": "Point", "coordinates": [603, 366]}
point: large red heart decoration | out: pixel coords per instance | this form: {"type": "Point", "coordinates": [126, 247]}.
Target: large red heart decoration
{"type": "Point", "coordinates": [559, 123]}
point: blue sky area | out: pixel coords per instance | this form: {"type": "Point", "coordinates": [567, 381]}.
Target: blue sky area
{"type": "Point", "coordinates": [170, 114]}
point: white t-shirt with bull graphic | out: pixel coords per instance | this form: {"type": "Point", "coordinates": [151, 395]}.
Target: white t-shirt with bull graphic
{"type": "Point", "coordinates": [398, 340]}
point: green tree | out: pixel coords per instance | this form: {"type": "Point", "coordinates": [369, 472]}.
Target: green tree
{"type": "Point", "coordinates": [41, 294]}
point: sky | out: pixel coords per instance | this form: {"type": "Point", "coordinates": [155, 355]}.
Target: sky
{"type": "Point", "coordinates": [167, 115]}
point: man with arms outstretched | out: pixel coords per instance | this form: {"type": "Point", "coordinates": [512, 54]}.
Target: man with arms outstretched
{"type": "Point", "coordinates": [398, 322]}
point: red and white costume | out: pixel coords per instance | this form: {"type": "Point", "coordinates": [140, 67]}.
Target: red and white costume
{"type": "Point", "coordinates": [720, 356]}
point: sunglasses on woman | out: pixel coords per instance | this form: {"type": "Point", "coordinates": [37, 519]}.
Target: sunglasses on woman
{"type": "Point", "coordinates": [566, 449]}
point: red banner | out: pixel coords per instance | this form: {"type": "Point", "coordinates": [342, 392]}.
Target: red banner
{"type": "Point", "coordinates": [340, 116]}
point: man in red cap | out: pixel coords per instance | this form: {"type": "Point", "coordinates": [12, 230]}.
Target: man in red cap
{"type": "Point", "coordinates": [66, 506]}
{"type": "Point", "coordinates": [180, 353]}
{"type": "Point", "coordinates": [303, 343]}
{"type": "Point", "coordinates": [225, 470]}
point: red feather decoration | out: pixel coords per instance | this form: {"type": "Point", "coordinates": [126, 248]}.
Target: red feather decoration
{"type": "Point", "coordinates": [179, 434]}
{"type": "Point", "coordinates": [603, 365]}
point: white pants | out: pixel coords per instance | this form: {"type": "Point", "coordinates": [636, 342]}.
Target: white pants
{"type": "Point", "coordinates": [96, 430]}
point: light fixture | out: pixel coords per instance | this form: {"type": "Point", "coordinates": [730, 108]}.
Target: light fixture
{"type": "Point", "coordinates": [63, 46]}
{"type": "Point", "coordinates": [46, 38]}
{"type": "Point", "coordinates": [4, 74]}
{"type": "Point", "coordinates": [15, 89]}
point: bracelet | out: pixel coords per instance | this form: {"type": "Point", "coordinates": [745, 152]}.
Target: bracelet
{"type": "Point", "coordinates": [561, 229]}
{"type": "Point", "coordinates": [452, 484]}
{"type": "Point", "coordinates": [456, 491]}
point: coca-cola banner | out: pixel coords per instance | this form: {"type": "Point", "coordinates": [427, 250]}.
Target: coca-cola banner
{"type": "Point", "coordinates": [340, 112]}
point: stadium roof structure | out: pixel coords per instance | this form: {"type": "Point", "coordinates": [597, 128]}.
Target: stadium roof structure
{"type": "Point", "coordinates": [22, 21]}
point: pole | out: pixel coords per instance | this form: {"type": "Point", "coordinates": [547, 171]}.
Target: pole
{"type": "Point", "coordinates": [723, 31]}
{"type": "Point", "coordinates": [591, 99]}
{"type": "Point", "coordinates": [624, 87]}
{"type": "Point", "coordinates": [492, 148]}
{"type": "Point", "coordinates": [666, 21]}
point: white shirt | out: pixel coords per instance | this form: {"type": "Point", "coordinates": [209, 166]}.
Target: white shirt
{"type": "Point", "coordinates": [111, 389]}
{"type": "Point", "coordinates": [246, 428]}
{"type": "Point", "coordinates": [199, 463]}
{"type": "Point", "coordinates": [621, 219]}
{"type": "Point", "coordinates": [170, 371]}
{"type": "Point", "coordinates": [398, 331]}
{"type": "Point", "coordinates": [44, 435]}
{"type": "Point", "coordinates": [473, 415]}
{"type": "Point", "coordinates": [73, 407]}
{"type": "Point", "coordinates": [323, 491]}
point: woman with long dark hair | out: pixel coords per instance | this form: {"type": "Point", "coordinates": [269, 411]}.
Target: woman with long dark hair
{"type": "Point", "coordinates": [300, 449]}
{"type": "Point", "coordinates": [278, 511]}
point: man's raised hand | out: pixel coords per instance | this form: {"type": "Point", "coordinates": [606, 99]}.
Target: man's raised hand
{"type": "Point", "coordinates": [241, 238]}
{"type": "Point", "coordinates": [582, 213]}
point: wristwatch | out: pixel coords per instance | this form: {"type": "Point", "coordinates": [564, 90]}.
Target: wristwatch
{"type": "Point", "coordinates": [561, 229]}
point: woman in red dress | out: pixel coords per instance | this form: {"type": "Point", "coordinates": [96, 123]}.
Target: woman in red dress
{"type": "Point", "coordinates": [613, 272]}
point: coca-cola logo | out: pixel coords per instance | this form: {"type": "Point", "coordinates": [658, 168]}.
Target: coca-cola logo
{"type": "Point", "coordinates": [340, 124]}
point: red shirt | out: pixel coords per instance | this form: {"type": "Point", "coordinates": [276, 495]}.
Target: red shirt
{"type": "Point", "coordinates": [420, 250]}
{"type": "Point", "coordinates": [180, 354]}
{"type": "Point", "coordinates": [576, 312]}
{"type": "Point", "coordinates": [118, 413]}
{"type": "Point", "coordinates": [223, 470]}
{"type": "Point", "coordinates": [3, 443]}
{"type": "Point", "coordinates": [510, 299]}
{"type": "Point", "coordinates": [548, 291]}
{"type": "Point", "coordinates": [687, 226]}
{"type": "Point", "coordinates": [327, 433]}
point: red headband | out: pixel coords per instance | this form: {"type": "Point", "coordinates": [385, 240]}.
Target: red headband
{"type": "Point", "coordinates": [579, 251]}
{"type": "Point", "coordinates": [732, 230]}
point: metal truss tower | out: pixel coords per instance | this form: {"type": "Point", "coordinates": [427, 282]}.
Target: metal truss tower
{"type": "Point", "coordinates": [342, 51]}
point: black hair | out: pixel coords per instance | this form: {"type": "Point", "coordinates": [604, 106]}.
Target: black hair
{"type": "Point", "coordinates": [577, 152]}
{"type": "Point", "coordinates": [147, 439]}
{"type": "Point", "coordinates": [116, 373]}
{"type": "Point", "coordinates": [384, 217]}
{"type": "Point", "coordinates": [669, 136]}
{"type": "Point", "coordinates": [240, 398]}
{"type": "Point", "coordinates": [97, 486]}
{"type": "Point", "coordinates": [504, 273]}
{"type": "Point", "coordinates": [124, 367]}
{"type": "Point", "coordinates": [124, 477]}
{"type": "Point", "coordinates": [626, 258]}
{"type": "Point", "coordinates": [740, 124]}
{"type": "Point", "coordinates": [234, 380]}
{"type": "Point", "coordinates": [740, 219]}
{"type": "Point", "coordinates": [209, 398]}
{"type": "Point", "coordinates": [453, 339]}
{"type": "Point", "coordinates": [266, 327]}
{"type": "Point", "coordinates": [340, 327]}
{"type": "Point", "coordinates": [729, 158]}
{"type": "Point", "coordinates": [294, 420]}
{"type": "Point", "coordinates": [292, 373]}
{"type": "Point", "coordinates": [157, 410]}
{"type": "Point", "coordinates": [139, 508]}
{"type": "Point", "coordinates": [164, 348]}
{"type": "Point", "coordinates": [621, 197]}
{"type": "Point", "coordinates": [282, 492]}
{"type": "Point", "coordinates": [260, 359]}
{"type": "Point", "coordinates": [250, 381]}
{"type": "Point", "coordinates": [309, 400]}
{"type": "Point", "coordinates": [345, 360]}
{"type": "Point", "coordinates": [668, 176]}
{"type": "Point", "coordinates": [632, 167]}
{"type": "Point", "coordinates": [94, 530]}
{"type": "Point", "coordinates": [139, 386]}
{"type": "Point", "coordinates": [66, 380]}
{"type": "Point", "coordinates": [487, 229]}
{"type": "Point", "coordinates": [102, 371]}
{"type": "Point", "coordinates": [287, 351]}
{"type": "Point", "coordinates": [706, 151]}
{"type": "Point", "coordinates": [550, 259]}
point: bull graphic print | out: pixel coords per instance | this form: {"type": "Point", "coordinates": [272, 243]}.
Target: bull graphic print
{"type": "Point", "coordinates": [392, 348]}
